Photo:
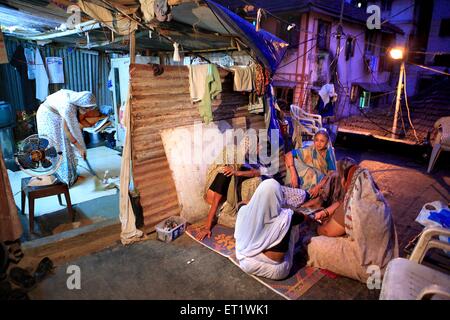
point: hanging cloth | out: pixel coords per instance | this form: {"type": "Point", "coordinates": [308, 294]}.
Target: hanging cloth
{"type": "Point", "coordinates": [41, 77]}
{"type": "Point", "coordinates": [197, 80]}
{"type": "Point", "coordinates": [243, 78]}
{"type": "Point", "coordinates": [148, 9]}
{"type": "Point", "coordinates": [18, 61]}
{"type": "Point", "coordinates": [31, 64]}
{"type": "Point", "coordinates": [213, 88]}
{"type": "Point", "coordinates": [129, 233]}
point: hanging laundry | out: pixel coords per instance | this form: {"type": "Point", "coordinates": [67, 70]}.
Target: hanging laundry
{"type": "Point", "coordinates": [31, 64]}
{"type": "Point", "coordinates": [148, 9]}
{"type": "Point", "coordinates": [243, 78]}
{"type": "Point", "coordinates": [176, 52]}
{"type": "Point", "coordinates": [197, 80]}
{"type": "Point", "coordinates": [327, 96]}
{"type": "Point", "coordinates": [19, 62]}
{"type": "Point", "coordinates": [162, 11]}
{"type": "Point", "coordinates": [213, 88]}
{"type": "Point", "coordinates": [262, 78]}
{"type": "Point", "coordinates": [255, 103]}
{"type": "Point", "coordinates": [55, 69]}
{"type": "Point", "coordinates": [109, 85]}
{"type": "Point", "coordinates": [41, 77]}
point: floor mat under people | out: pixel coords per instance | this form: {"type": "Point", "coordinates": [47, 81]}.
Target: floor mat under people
{"type": "Point", "coordinates": [299, 281]}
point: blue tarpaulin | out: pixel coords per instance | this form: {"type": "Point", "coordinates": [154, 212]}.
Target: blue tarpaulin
{"type": "Point", "coordinates": [267, 48]}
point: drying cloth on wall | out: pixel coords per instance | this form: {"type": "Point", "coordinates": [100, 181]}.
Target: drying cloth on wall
{"type": "Point", "coordinates": [197, 80]}
{"type": "Point", "coordinates": [243, 78]}
{"type": "Point", "coordinates": [55, 69]}
{"type": "Point", "coordinates": [213, 88]}
{"type": "Point", "coordinates": [41, 77]}
{"type": "Point", "coordinates": [31, 64]}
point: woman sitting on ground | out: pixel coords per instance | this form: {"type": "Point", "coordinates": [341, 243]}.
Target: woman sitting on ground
{"type": "Point", "coordinates": [232, 179]}
{"type": "Point", "coordinates": [266, 232]}
{"type": "Point", "coordinates": [358, 234]}
{"type": "Point", "coordinates": [306, 167]}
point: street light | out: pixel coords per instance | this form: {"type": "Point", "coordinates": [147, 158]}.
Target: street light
{"type": "Point", "coordinates": [398, 54]}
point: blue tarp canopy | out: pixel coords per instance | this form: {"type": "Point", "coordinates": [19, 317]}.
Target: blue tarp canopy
{"type": "Point", "coordinates": [267, 48]}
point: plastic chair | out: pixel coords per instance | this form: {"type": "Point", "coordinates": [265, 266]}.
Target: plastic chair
{"type": "Point", "coordinates": [408, 279]}
{"type": "Point", "coordinates": [442, 141]}
{"type": "Point", "coordinates": [310, 123]}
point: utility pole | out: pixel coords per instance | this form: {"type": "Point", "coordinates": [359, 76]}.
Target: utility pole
{"type": "Point", "coordinates": [399, 98]}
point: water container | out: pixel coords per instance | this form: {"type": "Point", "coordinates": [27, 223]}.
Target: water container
{"type": "Point", "coordinates": [6, 114]}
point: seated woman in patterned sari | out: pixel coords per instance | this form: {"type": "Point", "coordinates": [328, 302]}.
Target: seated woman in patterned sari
{"type": "Point", "coordinates": [231, 179]}
{"type": "Point", "coordinates": [306, 167]}
{"type": "Point", "coordinates": [360, 233]}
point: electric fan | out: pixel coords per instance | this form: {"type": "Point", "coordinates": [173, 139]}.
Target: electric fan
{"type": "Point", "coordinates": [39, 157]}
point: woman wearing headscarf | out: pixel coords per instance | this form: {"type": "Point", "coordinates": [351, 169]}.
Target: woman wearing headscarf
{"type": "Point", "coordinates": [266, 232]}
{"type": "Point", "coordinates": [57, 119]}
{"type": "Point", "coordinates": [306, 167]}
{"type": "Point", "coordinates": [231, 179]}
{"type": "Point", "coordinates": [367, 234]}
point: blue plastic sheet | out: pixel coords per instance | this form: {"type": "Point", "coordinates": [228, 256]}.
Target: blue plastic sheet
{"type": "Point", "coordinates": [442, 217]}
{"type": "Point", "coordinates": [267, 48]}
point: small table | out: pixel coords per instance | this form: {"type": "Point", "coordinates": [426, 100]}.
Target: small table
{"type": "Point", "coordinates": [33, 193]}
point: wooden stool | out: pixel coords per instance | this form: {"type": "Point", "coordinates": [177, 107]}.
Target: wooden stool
{"type": "Point", "coordinates": [33, 193]}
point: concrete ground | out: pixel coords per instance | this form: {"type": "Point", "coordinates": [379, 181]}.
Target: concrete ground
{"type": "Point", "coordinates": [86, 213]}
{"type": "Point", "coordinates": [156, 270]}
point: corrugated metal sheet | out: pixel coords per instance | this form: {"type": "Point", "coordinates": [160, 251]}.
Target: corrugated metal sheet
{"type": "Point", "coordinates": [83, 70]}
{"type": "Point", "coordinates": [164, 102]}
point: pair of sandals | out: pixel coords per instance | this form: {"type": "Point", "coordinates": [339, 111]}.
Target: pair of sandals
{"type": "Point", "coordinates": [15, 253]}
{"type": "Point", "coordinates": [28, 281]}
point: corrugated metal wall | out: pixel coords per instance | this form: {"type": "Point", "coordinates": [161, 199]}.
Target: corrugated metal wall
{"type": "Point", "coordinates": [83, 70]}
{"type": "Point", "coordinates": [164, 102]}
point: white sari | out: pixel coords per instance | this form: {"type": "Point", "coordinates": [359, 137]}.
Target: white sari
{"type": "Point", "coordinates": [261, 225]}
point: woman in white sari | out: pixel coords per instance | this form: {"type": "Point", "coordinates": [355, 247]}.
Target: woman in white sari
{"type": "Point", "coordinates": [266, 232]}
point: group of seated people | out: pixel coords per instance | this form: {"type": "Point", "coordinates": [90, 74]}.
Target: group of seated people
{"type": "Point", "coordinates": [352, 223]}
